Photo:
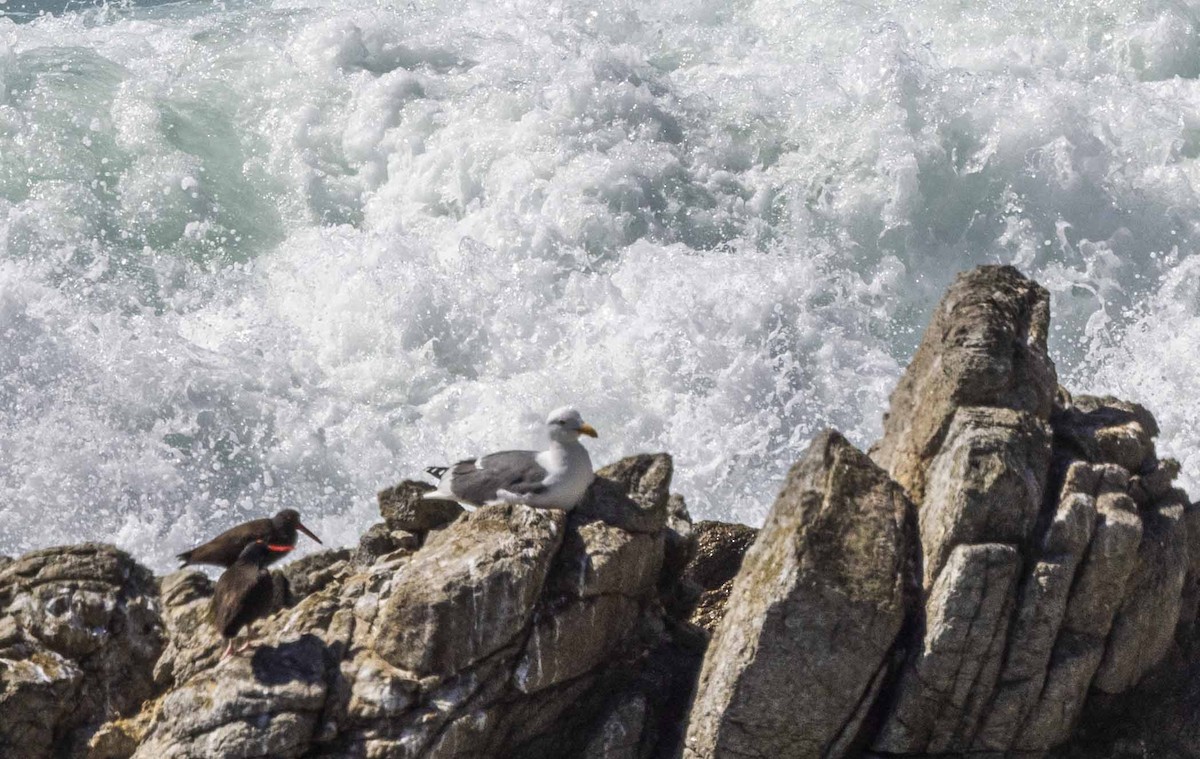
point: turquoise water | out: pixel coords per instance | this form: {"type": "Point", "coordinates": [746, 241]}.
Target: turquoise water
{"type": "Point", "coordinates": [268, 254]}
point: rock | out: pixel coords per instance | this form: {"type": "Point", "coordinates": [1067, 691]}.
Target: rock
{"type": "Point", "coordinates": [504, 635]}
{"type": "Point", "coordinates": [781, 677]}
{"type": "Point", "coordinates": [968, 435]}
{"type": "Point", "coordinates": [569, 643]}
{"type": "Point", "coordinates": [264, 704]}
{"type": "Point", "coordinates": [1157, 719]}
{"type": "Point", "coordinates": [986, 483]}
{"type": "Point", "coordinates": [1092, 603]}
{"type": "Point", "coordinates": [1050, 605]}
{"type": "Point", "coordinates": [1144, 628]}
{"type": "Point", "coordinates": [1039, 616]}
{"type": "Point", "coordinates": [469, 591]}
{"type": "Point", "coordinates": [1190, 596]}
{"type": "Point", "coordinates": [610, 560]}
{"type": "Point", "coordinates": [632, 494]}
{"type": "Point", "coordinates": [986, 346]}
{"type": "Point", "coordinates": [978, 433]}
{"type": "Point", "coordinates": [192, 643]}
{"type": "Point", "coordinates": [79, 635]}
{"type": "Point", "coordinates": [312, 573]}
{"type": "Point", "coordinates": [1109, 431]}
{"type": "Point", "coordinates": [375, 542]}
{"type": "Point", "coordinates": [403, 508]}
{"type": "Point", "coordinates": [620, 734]}
{"type": "Point", "coordinates": [719, 550]}
{"type": "Point", "coordinates": [678, 543]}
{"type": "Point", "coordinates": [37, 687]}
{"type": "Point", "coordinates": [941, 696]}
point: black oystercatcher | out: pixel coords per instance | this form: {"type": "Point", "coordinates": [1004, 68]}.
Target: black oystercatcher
{"type": "Point", "coordinates": [245, 592]}
{"type": "Point", "coordinates": [223, 550]}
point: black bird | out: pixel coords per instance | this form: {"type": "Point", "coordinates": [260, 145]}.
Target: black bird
{"type": "Point", "coordinates": [245, 592]}
{"type": "Point", "coordinates": [223, 550]}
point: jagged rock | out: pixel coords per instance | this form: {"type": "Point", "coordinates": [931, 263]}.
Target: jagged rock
{"type": "Point", "coordinates": [986, 346]}
{"type": "Point", "coordinates": [1144, 628]}
{"type": "Point", "coordinates": [986, 483]}
{"type": "Point", "coordinates": [377, 541]}
{"type": "Point", "coordinates": [968, 436]}
{"type": "Point", "coordinates": [781, 676]}
{"type": "Point", "coordinates": [708, 578]}
{"type": "Point", "coordinates": [501, 636]}
{"type": "Point", "coordinates": [403, 508]}
{"type": "Point", "coordinates": [1038, 620]}
{"type": "Point", "coordinates": [79, 634]}
{"type": "Point", "coordinates": [1109, 431]}
{"type": "Point", "coordinates": [264, 704]}
{"type": "Point", "coordinates": [1091, 606]}
{"type": "Point", "coordinates": [470, 591]}
{"type": "Point", "coordinates": [977, 424]}
{"type": "Point", "coordinates": [313, 572]}
{"type": "Point", "coordinates": [632, 494]}
{"type": "Point", "coordinates": [942, 694]}
{"type": "Point", "coordinates": [192, 643]}
{"type": "Point", "coordinates": [1058, 565]}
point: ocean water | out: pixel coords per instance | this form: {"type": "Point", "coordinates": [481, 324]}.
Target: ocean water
{"type": "Point", "coordinates": [257, 254]}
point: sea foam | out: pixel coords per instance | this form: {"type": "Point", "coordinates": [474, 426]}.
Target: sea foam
{"type": "Point", "coordinates": [267, 254]}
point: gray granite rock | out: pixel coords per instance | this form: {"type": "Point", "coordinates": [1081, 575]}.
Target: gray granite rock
{"type": "Point", "coordinates": [986, 346]}
{"type": "Point", "coordinates": [782, 677]}
{"type": "Point", "coordinates": [80, 631]}
{"type": "Point", "coordinates": [403, 508]}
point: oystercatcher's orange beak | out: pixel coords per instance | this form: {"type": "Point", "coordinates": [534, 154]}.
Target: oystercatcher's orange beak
{"type": "Point", "coordinates": [307, 532]}
{"type": "Point", "coordinates": [589, 430]}
{"type": "Point", "coordinates": [279, 549]}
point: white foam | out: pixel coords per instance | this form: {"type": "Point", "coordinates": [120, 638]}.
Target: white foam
{"type": "Point", "coordinates": [284, 254]}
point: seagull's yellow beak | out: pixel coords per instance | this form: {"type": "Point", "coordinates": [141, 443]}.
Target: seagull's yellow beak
{"type": "Point", "coordinates": [589, 430]}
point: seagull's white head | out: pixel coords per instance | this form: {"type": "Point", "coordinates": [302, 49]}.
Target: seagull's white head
{"type": "Point", "coordinates": [565, 425]}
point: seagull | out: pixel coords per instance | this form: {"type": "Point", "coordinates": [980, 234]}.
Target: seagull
{"type": "Point", "coordinates": [555, 478]}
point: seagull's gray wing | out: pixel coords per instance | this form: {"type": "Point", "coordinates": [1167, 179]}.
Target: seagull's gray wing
{"type": "Point", "coordinates": [478, 480]}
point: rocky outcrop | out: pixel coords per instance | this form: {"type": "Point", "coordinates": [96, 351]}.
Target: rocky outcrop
{"type": "Point", "coordinates": [1058, 568]}
{"type": "Point", "coordinates": [837, 553]}
{"type": "Point", "coordinates": [985, 347]}
{"type": "Point", "coordinates": [510, 631]}
{"type": "Point", "coordinates": [1012, 572]}
{"type": "Point", "coordinates": [1055, 548]}
{"type": "Point", "coordinates": [80, 633]}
